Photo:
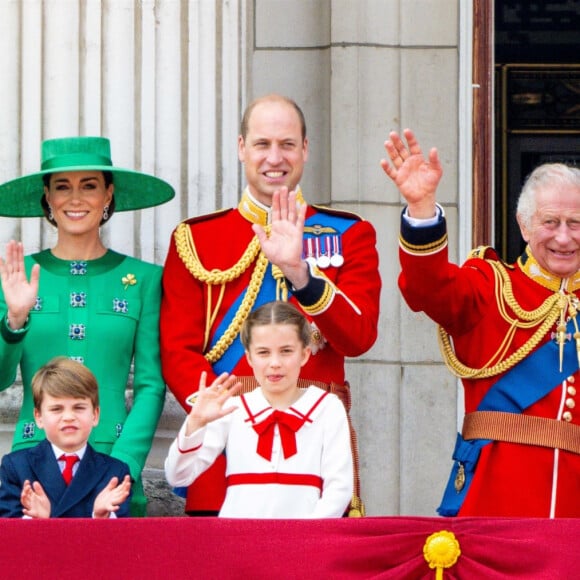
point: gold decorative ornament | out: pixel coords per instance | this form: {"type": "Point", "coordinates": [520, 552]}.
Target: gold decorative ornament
{"type": "Point", "coordinates": [357, 507]}
{"type": "Point", "coordinates": [242, 313]}
{"type": "Point", "coordinates": [188, 253]}
{"type": "Point", "coordinates": [281, 286]}
{"type": "Point", "coordinates": [441, 550]}
{"type": "Point", "coordinates": [459, 478]}
{"type": "Point", "coordinates": [318, 229]}
{"type": "Point", "coordinates": [129, 280]}
{"type": "Point", "coordinates": [551, 311]}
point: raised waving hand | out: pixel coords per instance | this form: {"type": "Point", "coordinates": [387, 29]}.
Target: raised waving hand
{"type": "Point", "coordinates": [283, 244]}
{"type": "Point", "coordinates": [415, 176]}
{"type": "Point", "coordinates": [207, 404]}
{"type": "Point", "coordinates": [19, 292]}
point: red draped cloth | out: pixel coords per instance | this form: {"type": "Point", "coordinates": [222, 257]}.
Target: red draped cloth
{"type": "Point", "coordinates": [374, 547]}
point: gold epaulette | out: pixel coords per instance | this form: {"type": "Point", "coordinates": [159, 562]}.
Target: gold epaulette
{"type": "Point", "coordinates": [481, 252]}
{"type": "Point", "coordinates": [488, 254]}
{"type": "Point", "coordinates": [207, 216]}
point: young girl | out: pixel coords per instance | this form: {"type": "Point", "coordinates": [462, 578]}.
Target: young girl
{"type": "Point", "coordinates": [288, 449]}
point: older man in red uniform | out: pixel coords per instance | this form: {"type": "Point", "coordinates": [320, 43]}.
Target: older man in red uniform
{"type": "Point", "coordinates": [515, 339]}
{"type": "Point", "coordinates": [272, 246]}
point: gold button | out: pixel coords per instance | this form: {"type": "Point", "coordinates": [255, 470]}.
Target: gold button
{"type": "Point", "coordinates": [571, 379]}
{"type": "Point", "coordinates": [567, 416]}
{"type": "Point", "coordinates": [571, 391]}
{"type": "Point", "coordinates": [570, 403]}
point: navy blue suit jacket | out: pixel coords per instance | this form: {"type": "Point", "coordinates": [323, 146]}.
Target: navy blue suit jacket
{"type": "Point", "coordinates": [76, 500]}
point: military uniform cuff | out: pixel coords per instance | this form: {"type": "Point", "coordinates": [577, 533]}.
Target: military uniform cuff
{"type": "Point", "coordinates": [423, 239]}
{"type": "Point", "coordinates": [317, 294]}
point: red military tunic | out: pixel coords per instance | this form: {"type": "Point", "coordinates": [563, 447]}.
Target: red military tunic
{"type": "Point", "coordinates": [341, 300]}
{"type": "Point", "coordinates": [472, 304]}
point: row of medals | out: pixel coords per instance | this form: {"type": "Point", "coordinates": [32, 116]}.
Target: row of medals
{"type": "Point", "coordinates": [323, 251]}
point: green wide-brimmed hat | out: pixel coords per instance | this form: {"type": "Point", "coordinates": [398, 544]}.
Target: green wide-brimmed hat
{"type": "Point", "coordinates": [133, 190]}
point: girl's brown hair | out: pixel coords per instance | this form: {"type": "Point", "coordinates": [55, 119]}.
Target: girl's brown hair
{"type": "Point", "coordinates": [277, 312]}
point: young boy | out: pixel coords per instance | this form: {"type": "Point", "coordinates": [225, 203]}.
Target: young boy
{"type": "Point", "coordinates": [63, 476]}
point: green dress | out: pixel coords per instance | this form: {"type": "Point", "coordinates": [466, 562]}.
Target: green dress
{"type": "Point", "coordinates": [105, 314]}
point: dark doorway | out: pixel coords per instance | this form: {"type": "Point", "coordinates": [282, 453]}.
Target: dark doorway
{"type": "Point", "coordinates": [537, 100]}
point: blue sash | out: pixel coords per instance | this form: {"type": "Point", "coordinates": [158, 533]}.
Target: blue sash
{"type": "Point", "coordinates": [235, 351]}
{"type": "Point", "coordinates": [540, 375]}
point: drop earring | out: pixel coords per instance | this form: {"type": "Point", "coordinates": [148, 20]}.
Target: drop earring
{"type": "Point", "coordinates": [50, 216]}
{"type": "Point", "coordinates": [106, 213]}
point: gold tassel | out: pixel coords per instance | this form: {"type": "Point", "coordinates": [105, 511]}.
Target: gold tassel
{"type": "Point", "coordinates": [561, 329]}
{"type": "Point", "coordinates": [561, 340]}
{"type": "Point", "coordinates": [281, 287]}
{"type": "Point", "coordinates": [356, 508]}
{"type": "Point", "coordinates": [573, 312]}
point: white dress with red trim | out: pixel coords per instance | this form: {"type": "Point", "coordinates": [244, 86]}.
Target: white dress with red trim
{"type": "Point", "coordinates": [280, 464]}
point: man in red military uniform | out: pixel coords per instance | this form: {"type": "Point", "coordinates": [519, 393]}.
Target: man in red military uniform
{"type": "Point", "coordinates": [515, 339]}
{"type": "Point", "coordinates": [272, 246]}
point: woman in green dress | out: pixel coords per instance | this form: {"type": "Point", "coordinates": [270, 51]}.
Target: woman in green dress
{"type": "Point", "coordinates": [83, 300]}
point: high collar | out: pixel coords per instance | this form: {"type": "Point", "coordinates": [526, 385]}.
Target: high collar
{"type": "Point", "coordinates": [59, 267]}
{"type": "Point", "coordinates": [530, 267]}
{"type": "Point", "coordinates": [258, 213]}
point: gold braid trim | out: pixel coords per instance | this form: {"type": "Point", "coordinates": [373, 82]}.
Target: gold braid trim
{"type": "Point", "coordinates": [281, 286]}
{"type": "Point", "coordinates": [420, 249]}
{"type": "Point", "coordinates": [186, 250]}
{"type": "Point", "coordinates": [545, 315]}
{"type": "Point", "coordinates": [322, 303]}
{"type": "Point", "coordinates": [245, 308]}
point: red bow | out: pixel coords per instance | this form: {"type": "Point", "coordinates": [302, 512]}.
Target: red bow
{"type": "Point", "coordinates": [287, 424]}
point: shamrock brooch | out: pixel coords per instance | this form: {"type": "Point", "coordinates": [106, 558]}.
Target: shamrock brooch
{"type": "Point", "coordinates": [129, 280]}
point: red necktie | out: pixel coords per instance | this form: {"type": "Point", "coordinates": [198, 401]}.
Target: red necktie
{"type": "Point", "coordinates": [287, 424]}
{"type": "Point", "coordinates": [67, 472]}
